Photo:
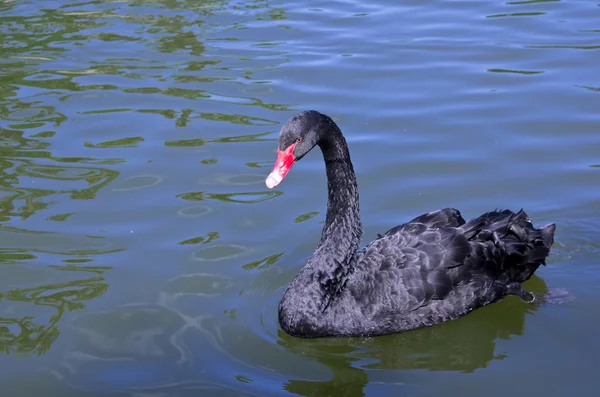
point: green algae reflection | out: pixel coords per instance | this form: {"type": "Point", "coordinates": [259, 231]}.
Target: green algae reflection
{"type": "Point", "coordinates": [28, 335]}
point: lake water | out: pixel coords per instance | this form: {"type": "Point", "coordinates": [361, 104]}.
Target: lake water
{"type": "Point", "coordinates": [142, 255]}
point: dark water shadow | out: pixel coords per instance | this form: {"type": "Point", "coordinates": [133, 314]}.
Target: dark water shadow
{"type": "Point", "coordinates": [347, 380]}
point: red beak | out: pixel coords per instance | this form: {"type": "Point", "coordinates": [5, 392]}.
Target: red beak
{"type": "Point", "coordinates": [284, 162]}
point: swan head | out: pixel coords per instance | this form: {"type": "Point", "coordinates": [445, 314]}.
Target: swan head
{"type": "Point", "coordinates": [298, 136]}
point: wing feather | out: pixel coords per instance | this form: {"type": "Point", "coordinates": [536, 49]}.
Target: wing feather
{"type": "Point", "coordinates": [413, 262]}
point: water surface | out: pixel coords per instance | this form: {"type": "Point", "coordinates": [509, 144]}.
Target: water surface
{"type": "Point", "coordinates": [142, 254]}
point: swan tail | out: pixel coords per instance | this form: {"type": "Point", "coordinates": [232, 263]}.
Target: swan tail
{"type": "Point", "coordinates": [519, 247]}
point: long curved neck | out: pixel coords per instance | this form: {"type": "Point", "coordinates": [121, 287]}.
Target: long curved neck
{"type": "Point", "coordinates": [342, 232]}
{"type": "Point", "coordinates": [331, 263]}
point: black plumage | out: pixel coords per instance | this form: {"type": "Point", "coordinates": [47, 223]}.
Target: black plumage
{"type": "Point", "coordinates": [435, 268]}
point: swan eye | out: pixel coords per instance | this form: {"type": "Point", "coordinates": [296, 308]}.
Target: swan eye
{"type": "Point", "coordinates": [299, 140]}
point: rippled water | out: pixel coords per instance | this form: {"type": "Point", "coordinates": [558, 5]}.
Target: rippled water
{"type": "Point", "coordinates": [141, 253]}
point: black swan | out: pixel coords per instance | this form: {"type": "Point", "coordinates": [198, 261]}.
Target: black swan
{"type": "Point", "coordinates": [432, 269]}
